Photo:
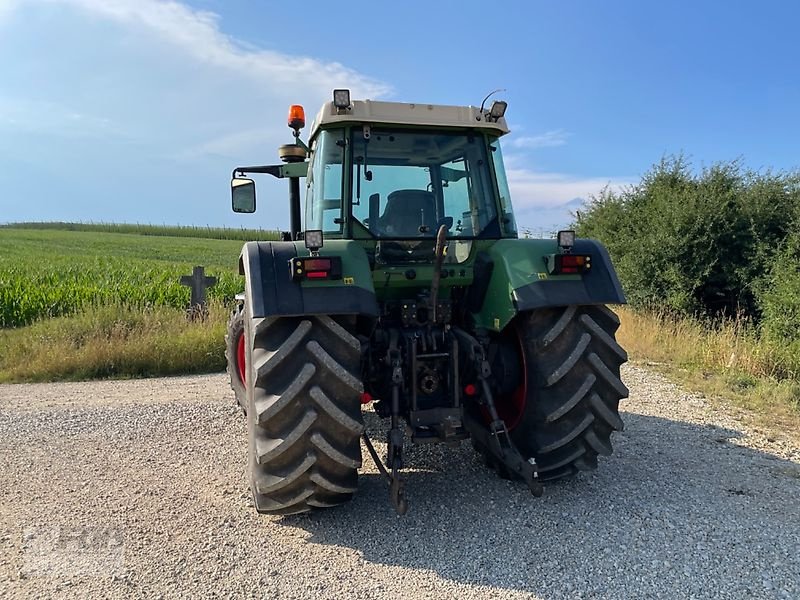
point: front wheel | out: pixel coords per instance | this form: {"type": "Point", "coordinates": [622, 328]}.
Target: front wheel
{"type": "Point", "coordinates": [564, 404]}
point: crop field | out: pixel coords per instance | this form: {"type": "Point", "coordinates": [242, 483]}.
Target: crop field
{"type": "Point", "coordinates": [87, 301]}
{"type": "Point", "coordinates": [191, 231]}
{"type": "Point", "coordinates": [48, 273]}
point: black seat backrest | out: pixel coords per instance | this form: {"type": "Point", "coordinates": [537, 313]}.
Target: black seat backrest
{"type": "Point", "coordinates": [408, 210]}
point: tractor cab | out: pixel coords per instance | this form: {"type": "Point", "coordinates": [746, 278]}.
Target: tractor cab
{"type": "Point", "coordinates": [403, 184]}
{"type": "Point", "coordinates": [392, 172]}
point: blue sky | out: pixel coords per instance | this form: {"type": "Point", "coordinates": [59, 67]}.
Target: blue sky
{"type": "Point", "coordinates": [136, 110]}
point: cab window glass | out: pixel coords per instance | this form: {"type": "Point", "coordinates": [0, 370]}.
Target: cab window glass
{"type": "Point", "coordinates": [324, 192]}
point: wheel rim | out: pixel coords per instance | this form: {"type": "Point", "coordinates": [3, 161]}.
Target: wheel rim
{"type": "Point", "coordinates": [240, 357]}
{"type": "Point", "coordinates": [511, 406]}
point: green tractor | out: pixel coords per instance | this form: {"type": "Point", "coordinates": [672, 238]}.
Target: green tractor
{"type": "Point", "coordinates": [406, 287]}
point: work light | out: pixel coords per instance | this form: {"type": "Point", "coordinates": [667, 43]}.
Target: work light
{"type": "Point", "coordinates": [341, 98]}
{"type": "Point", "coordinates": [313, 239]}
{"type": "Point", "coordinates": [566, 239]}
{"type": "Point", "coordinates": [498, 109]}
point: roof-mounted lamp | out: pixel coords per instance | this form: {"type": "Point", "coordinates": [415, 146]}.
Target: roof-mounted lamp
{"type": "Point", "coordinates": [297, 118]}
{"type": "Point", "coordinates": [341, 99]}
{"type": "Point", "coordinates": [498, 109]}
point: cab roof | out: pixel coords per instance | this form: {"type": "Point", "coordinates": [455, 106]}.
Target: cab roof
{"type": "Point", "coordinates": [399, 113]}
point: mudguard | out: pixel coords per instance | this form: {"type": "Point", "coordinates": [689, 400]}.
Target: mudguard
{"type": "Point", "coordinates": [520, 280]}
{"type": "Point", "coordinates": [270, 290]}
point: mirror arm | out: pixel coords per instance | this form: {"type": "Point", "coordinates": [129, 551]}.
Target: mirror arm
{"type": "Point", "coordinates": [274, 170]}
{"type": "Point", "coordinates": [295, 169]}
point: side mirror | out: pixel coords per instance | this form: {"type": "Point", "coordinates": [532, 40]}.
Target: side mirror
{"type": "Point", "coordinates": [243, 195]}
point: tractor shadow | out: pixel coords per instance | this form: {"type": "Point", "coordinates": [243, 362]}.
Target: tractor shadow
{"type": "Point", "coordinates": [667, 512]}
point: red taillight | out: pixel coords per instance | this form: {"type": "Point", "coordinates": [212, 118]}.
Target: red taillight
{"type": "Point", "coordinates": [567, 264]}
{"type": "Point", "coordinates": [470, 389]}
{"type": "Point", "coordinates": [317, 264]}
{"type": "Point", "coordinates": [315, 267]}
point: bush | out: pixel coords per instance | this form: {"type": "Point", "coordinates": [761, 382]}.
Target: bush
{"type": "Point", "coordinates": [779, 294]}
{"type": "Point", "coordinates": [695, 243]}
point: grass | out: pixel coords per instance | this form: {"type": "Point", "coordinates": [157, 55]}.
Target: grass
{"type": "Point", "coordinates": [84, 304]}
{"type": "Point", "coordinates": [725, 360]}
{"type": "Point", "coordinates": [114, 341]}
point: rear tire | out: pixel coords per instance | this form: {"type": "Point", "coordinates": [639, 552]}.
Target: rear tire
{"type": "Point", "coordinates": [572, 388]}
{"type": "Point", "coordinates": [304, 413]}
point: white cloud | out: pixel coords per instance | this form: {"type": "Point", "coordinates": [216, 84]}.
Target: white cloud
{"type": "Point", "coordinates": [152, 94]}
{"type": "Point", "coordinates": [546, 200]}
{"type": "Point", "coordinates": [197, 33]}
{"type": "Point", "coordinates": [532, 189]}
{"type": "Point", "coordinates": [548, 139]}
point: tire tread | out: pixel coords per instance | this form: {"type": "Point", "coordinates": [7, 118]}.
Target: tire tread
{"type": "Point", "coordinates": [306, 423]}
{"type": "Point", "coordinates": [573, 362]}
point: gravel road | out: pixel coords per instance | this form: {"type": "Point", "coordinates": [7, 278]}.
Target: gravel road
{"type": "Point", "coordinates": [137, 488]}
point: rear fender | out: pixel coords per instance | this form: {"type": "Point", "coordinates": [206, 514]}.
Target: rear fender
{"type": "Point", "coordinates": [520, 281]}
{"type": "Point", "coordinates": [271, 291]}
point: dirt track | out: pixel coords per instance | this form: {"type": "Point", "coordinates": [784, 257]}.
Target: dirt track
{"type": "Point", "coordinates": [137, 488]}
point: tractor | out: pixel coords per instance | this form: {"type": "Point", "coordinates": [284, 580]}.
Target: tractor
{"type": "Point", "coordinates": [406, 288]}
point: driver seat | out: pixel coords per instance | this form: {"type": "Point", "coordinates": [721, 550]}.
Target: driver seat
{"type": "Point", "coordinates": [408, 210]}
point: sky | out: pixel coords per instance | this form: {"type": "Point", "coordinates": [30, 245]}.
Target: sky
{"type": "Point", "coordinates": [136, 111]}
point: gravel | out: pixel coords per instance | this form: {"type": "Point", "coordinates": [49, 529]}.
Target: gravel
{"type": "Point", "coordinates": [137, 488]}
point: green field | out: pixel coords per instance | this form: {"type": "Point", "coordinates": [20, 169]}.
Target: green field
{"type": "Point", "coordinates": [192, 231]}
{"type": "Point", "coordinates": [84, 301]}
{"type": "Point", "coordinates": [46, 273]}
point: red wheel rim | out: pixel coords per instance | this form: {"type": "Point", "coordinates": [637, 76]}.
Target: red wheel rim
{"type": "Point", "coordinates": [511, 407]}
{"type": "Point", "coordinates": [240, 358]}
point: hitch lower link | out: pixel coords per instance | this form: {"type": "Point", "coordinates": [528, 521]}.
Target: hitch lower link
{"type": "Point", "coordinates": [496, 439]}
{"type": "Point", "coordinates": [395, 443]}
{"type": "Point", "coordinates": [394, 459]}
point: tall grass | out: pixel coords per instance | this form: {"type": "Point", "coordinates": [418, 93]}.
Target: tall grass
{"type": "Point", "coordinates": [724, 358]}
{"type": "Point", "coordinates": [114, 340]}
{"type": "Point", "coordinates": [83, 304]}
